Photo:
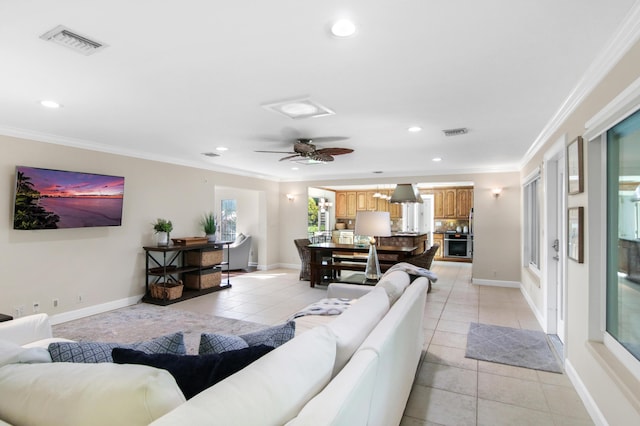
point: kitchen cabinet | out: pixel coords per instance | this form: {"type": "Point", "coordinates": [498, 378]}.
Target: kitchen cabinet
{"type": "Point", "coordinates": [361, 201]}
{"type": "Point", "coordinates": [438, 202]}
{"type": "Point", "coordinates": [372, 202]}
{"type": "Point", "coordinates": [395, 211]}
{"type": "Point", "coordinates": [452, 203]}
{"type": "Point", "coordinates": [449, 202]}
{"type": "Point", "coordinates": [464, 202]}
{"type": "Point", "coordinates": [351, 204]}
{"type": "Point", "coordinates": [341, 204]}
{"type": "Point", "coordinates": [439, 239]}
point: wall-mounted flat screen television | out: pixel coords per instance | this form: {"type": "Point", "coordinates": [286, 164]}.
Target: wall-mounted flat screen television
{"type": "Point", "coordinates": [52, 199]}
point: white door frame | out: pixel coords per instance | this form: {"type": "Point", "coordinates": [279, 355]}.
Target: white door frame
{"type": "Point", "coordinates": [555, 221]}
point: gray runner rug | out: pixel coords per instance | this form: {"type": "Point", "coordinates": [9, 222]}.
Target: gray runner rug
{"type": "Point", "coordinates": [511, 346]}
{"type": "Point", "coordinates": [144, 321]}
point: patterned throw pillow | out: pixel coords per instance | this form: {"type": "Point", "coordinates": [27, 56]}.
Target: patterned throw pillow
{"type": "Point", "coordinates": [272, 336]}
{"type": "Point", "coordinates": [101, 352]}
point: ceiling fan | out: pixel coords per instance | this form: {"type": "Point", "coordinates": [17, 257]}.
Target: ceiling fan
{"type": "Point", "coordinates": [303, 148]}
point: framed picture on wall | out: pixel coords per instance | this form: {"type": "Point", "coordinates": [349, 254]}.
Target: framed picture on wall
{"type": "Point", "coordinates": [575, 166]}
{"type": "Point", "coordinates": [575, 230]}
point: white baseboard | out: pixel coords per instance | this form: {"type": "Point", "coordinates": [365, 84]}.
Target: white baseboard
{"type": "Point", "coordinates": [93, 310]}
{"type": "Point", "coordinates": [541, 319]}
{"type": "Point", "coordinates": [591, 406]}
{"type": "Point", "coordinates": [495, 283]}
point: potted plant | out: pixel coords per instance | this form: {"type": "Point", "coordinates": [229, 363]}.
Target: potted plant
{"type": "Point", "coordinates": [208, 223]}
{"type": "Point", "coordinates": [163, 228]}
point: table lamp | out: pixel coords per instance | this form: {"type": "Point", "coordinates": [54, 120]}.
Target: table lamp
{"type": "Point", "coordinates": [373, 224]}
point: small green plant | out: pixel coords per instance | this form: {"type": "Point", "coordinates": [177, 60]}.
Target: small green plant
{"type": "Point", "coordinates": [162, 225]}
{"type": "Point", "coordinates": [208, 223]}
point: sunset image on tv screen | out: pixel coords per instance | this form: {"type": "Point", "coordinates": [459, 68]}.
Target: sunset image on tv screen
{"type": "Point", "coordinates": [50, 199]}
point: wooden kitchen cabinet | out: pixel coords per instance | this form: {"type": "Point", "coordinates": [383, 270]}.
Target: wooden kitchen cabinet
{"type": "Point", "coordinates": [395, 211]}
{"type": "Point", "coordinates": [361, 201]}
{"type": "Point", "coordinates": [351, 204]}
{"type": "Point", "coordinates": [439, 239]}
{"type": "Point", "coordinates": [341, 204]}
{"type": "Point", "coordinates": [438, 202]}
{"type": "Point", "coordinates": [372, 202]}
{"type": "Point", "coordinates": [452, 203]}
{"type": "Point", "coordinates": [464, 202]}
{"type": "Point", "coordinates": [449, 203]}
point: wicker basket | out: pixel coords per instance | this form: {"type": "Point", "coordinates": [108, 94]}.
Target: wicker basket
{"type": "Point", "coordinates": [166, 291]}
{"type": "Point", "coordinates": [199, 280]}
{"type": "Point", "coordinates": [203, 258]}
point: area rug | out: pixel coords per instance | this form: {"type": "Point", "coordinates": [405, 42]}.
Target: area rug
{"type": "Point", "coordinates": [511, 346]}
{"type": "Point", "coordinates": [143, 321]}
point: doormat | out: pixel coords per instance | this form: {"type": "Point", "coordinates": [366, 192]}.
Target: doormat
{"type": "Point", "coordinates": [511, 346]}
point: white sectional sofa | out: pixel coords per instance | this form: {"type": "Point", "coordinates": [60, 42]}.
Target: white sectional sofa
{"type": "Point", "coordinates": [356, 368]}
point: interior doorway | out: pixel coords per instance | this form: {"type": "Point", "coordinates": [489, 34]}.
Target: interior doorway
{"type": "Point", "coordinates": [555, 243]}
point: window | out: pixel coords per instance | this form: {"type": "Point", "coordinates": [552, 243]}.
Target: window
{"type": "Point", "coordinates": [531, 191]}
{"type": "Point", "coordinates": [228, 220]}
{"type": "Point", "coordinates": [623, 229]}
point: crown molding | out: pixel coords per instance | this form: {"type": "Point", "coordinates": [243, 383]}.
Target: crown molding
{"type": "Point", "coordinates": [624, 38]}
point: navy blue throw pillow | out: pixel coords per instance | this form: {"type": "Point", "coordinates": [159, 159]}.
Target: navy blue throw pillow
{"type": "Point", "coordinates": [194, 373]}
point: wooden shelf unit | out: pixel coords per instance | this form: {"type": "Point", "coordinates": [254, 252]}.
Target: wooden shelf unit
{"type": "Point", "coordinates": [167, 265]}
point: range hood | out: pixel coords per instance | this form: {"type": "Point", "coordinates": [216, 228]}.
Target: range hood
{"type": "Point", "coordinates": [405, 193]}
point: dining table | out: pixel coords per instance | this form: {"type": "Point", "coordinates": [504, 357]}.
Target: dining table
{"type": "Point", "coordinates": [327, 260]}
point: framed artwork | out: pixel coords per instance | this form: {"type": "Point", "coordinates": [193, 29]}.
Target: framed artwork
{"type": "Point", "coordinates": [575, 166]}
{"type": "Point", "coordinates": [575, 229]}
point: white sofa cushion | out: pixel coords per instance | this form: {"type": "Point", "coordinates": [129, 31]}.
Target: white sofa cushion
{"type": "Point", "coordinates": [346, 400]}
{"type": "Point", "coordinates": [27, 329]}
{"type": "Point", "coordinates": [394, 283]}
{"type": "Point", "coordinates": [354, 325]}
{"type": "Point", "coordinates": [12, 353]}
{"type": "Point", "coordinates": [69, 394]}
{"type": "Point", "coordinates": [398, 340]}
{"type": "Point", "coordinates": [271, 391]}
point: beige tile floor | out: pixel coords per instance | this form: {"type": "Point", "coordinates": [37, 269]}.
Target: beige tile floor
{"type": "Point", "coordinates": [449, 389]}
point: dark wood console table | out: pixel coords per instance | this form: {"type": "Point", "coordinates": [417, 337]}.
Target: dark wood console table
{"type": "Point", "coordinates": [327, 258]}
{"type": "Point", "coordinates": [168, 265]}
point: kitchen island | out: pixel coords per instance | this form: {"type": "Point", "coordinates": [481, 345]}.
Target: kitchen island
{"type": "Point", "coordinates": [407, 239]}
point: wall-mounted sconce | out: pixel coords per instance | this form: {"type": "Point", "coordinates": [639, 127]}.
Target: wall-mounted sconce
{"type": "Point", "coordinates": [291, 197]}
{"type": "Point", "coordinates": [496, 192]}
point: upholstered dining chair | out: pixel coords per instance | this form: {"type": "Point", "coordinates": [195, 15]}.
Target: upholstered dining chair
{"type": "Point", "coordinates": [305, 257]}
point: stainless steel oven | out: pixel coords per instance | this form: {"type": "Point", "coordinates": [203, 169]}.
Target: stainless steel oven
{"type": "Point", "coordinates": [458, 245]}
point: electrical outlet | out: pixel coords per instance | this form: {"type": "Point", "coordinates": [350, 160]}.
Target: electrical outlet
{"type": "Point", "coordinates": [36, 307]}
{"type": "Point", "coordinates": [79, 300]}
{"type": "Point", "coordinates": [19, 311]}
{"type": "Point", "coordinates": [55, 303]}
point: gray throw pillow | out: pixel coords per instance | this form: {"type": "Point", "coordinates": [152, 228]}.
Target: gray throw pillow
{"type": "Point", "coordinates": [272, 336]}
{"type": "Point", "coordinates": [91, 352]}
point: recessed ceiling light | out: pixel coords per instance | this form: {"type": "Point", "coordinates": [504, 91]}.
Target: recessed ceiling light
{"type": "Point", "coordinates": [294, 168]}
{"type": "Point", "coordinates": [455, 132]}
{"type": "Point", "coordinates": [377, 172]}
{"type": "Point", "coordinates": [436, 159]}
{"type": "Point", "coordinates": [50, 104]}
{"type": "Point", "coordinates": [222, 148]}
{"type": "Point", "coordinates": [299, 108]}
{"type": "Point", "coordinates": [210, 154]}
{"type": "Point", "coordinates": [343, 28]}
{"type": "Point", "coordinates": [414, 129]}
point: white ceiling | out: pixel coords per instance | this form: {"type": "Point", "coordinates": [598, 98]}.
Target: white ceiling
{"type": "Point", "coordinates": [180, 78]}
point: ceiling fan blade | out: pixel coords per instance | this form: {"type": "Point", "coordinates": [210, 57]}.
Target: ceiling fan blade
{"type": "Point", "coordinates": [289, 157]}
{"type": "Point", "coordinates": [277, 152]}
{"type": "Point", "coordinates": [334, 151]}
{"type": "Point", "coordinates": [325, 158]}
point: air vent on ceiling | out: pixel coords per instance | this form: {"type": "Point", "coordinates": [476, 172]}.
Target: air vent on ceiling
{"type": "Point", "coordinates": [210, 154]}
{"type": "Point", "coordinates": [455, 132]}
{"type": "Point", "coordinates": [65, 37]}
